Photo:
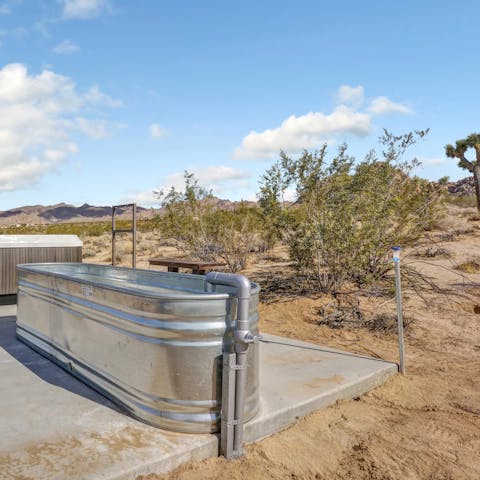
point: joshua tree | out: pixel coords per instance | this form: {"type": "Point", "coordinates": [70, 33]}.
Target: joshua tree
{"type": "Point", "coordinates": [473, 166]}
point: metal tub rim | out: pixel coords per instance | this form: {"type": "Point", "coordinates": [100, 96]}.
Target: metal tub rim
{"type": "Point", "coordinates": [187, 294]}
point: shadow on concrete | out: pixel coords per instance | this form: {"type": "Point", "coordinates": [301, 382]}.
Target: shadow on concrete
{"type": "Point", "coordinates": [327, 350]}
{"type": "Point", "coordinates": [46, 369]}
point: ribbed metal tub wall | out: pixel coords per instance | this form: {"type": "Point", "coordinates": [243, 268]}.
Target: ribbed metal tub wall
{"type": "Point", "coordinates": [150, 341]}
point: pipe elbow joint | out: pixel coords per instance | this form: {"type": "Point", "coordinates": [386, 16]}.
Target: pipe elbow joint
{"type": "Point", "coordinates": [240, 282]}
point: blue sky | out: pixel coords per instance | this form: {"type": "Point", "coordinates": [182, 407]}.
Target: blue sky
{"type": "Point", "coordinates": [103, 101]}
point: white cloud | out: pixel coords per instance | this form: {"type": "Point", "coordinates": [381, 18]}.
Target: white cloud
{"type": "Point", "coordinates": [305, 131]}
{"type": "Point", "coordinates": [145, 199]}
{"type": "Point", "coordinates": [157, 131]}
{"type": "Point", "coordinates": [100, 99]}
{"type": "Point", "coordinates": [38, 116]}
{"type": "Point", "coordinates": [220, 179]}
{"type": "Point", "coordinates": [383, 105]}
{"type": "Point", "coordinates": [5, 9]}
{"type": "Point", "coordinates": [15, 33]}
{"type": "Point", "coordinates": [85, 9]}
{"type": "Point", "coordinates": [290, 194]}
{"type": "Point", "coordinates": [315, 128]}
{"type": "Point", "coordinates": [215, 177]}
{"type": "Point", "coordinates": [66, 47]}
{"type": "Point", "coordinates": [350, 95]}
{"type": "Point", "coordinates": [434, 162]}
{"type": "Point", "coordinates": [94, 128]}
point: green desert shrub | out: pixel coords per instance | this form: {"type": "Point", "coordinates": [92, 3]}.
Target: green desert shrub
{"type": "Point", "coordinates": [465, 201]}
{"type": "Point", "coordinates": [82, 229]}
{"type": "Point", "coordinates": [348, 214]}
{"type": "Point", "coordinates": [206, 231]}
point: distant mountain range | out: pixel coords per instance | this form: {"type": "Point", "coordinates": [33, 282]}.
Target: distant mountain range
{"type": "Point", "coordinates": [64, 213]}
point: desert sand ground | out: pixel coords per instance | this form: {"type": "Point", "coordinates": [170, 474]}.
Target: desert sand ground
{"type": "Point", "coordinates": [425, 425]}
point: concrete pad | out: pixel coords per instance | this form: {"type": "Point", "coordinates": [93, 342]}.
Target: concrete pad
{"type": "Point", "coordinates": [297, 378]}
{"type": "Point", "coordinates": [52, 426]}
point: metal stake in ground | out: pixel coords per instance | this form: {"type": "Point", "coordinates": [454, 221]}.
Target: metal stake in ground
{"type": "Point", "coordinates": [398, 294]}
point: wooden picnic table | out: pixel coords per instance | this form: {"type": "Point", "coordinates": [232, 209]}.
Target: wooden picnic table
{"type": "Point", "coordinates": [174, 264]}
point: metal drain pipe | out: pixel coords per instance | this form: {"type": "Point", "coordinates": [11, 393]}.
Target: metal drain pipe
{"type": "Point", "coordinates": [232, 424]}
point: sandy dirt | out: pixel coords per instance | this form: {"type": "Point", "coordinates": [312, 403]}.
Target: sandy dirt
{"type": "Point", "coordinates": [425, 425]}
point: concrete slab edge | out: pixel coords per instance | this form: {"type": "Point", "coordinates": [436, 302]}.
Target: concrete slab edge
{"type": "Point", "coordinates": [166, 464]}
{"type": "Point", "coordinates": [280, 420]}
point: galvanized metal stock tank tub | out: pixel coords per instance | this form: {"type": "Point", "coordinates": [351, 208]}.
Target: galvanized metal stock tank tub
{"type": "Point", "coordinates": [150, 341]}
